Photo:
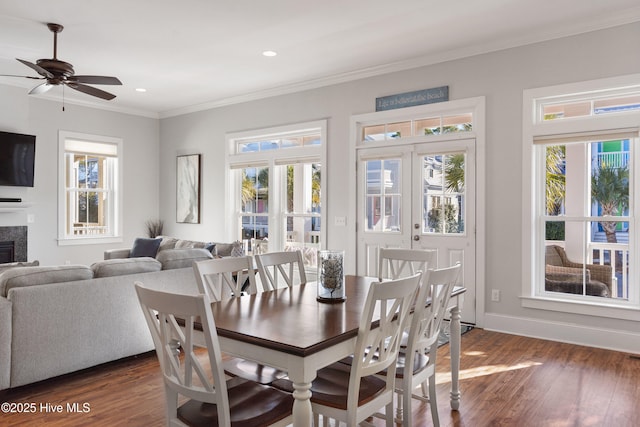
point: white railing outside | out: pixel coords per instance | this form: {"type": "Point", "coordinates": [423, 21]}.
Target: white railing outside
{"type": "Point", "coordinates": [615, 159]}
{"type": "Point", "coordinates": [618, 257]}
{"type": "Point", "coordinates": [87, 229]}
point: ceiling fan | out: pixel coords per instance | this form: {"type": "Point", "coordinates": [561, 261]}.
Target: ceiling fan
{"type": "Point", "coordinates": [56, 72]}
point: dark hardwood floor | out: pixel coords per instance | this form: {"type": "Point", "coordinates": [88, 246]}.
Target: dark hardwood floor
{"type": "Point", "coordinates": [506, 380]}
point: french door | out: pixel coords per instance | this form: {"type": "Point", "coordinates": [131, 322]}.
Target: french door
{"type": "Point", "coordinates": [421, 196]}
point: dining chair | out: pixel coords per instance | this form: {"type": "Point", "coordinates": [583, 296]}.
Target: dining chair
{"type": "Point", "coordinates": [223, 278]}
{"type": "Point", "coordinates": [278, 267]}
{"type": "Point", "coordinates": [211, 399]}
{"type": "Point", "coordinates": [353, 393]}
{"type": "Point", "coordinates": [394, 263]}
{"type": "Point", "coordinates": [422, 345]}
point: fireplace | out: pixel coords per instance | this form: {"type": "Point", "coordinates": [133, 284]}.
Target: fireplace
{"type": "Point", "coordinates": [7, 252]}
{"type": "Point", "coordinates": [13, 244]}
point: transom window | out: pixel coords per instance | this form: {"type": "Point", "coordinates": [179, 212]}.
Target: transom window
{"type": "Point", "coordinates": [89, 196]}
{"type": "Point", "coordinates": [276, 178]}
{"type": "Point", "coordinates": [581, 151]}
{"type": "Point", "coordinates": [418, 127]}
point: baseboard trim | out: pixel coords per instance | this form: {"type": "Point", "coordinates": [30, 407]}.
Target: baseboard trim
{"type": "Point", "coordinates": [564, 332]}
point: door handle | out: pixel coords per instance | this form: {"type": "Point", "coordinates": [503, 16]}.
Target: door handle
{"type": "Point", "coordinates": [416, 237]}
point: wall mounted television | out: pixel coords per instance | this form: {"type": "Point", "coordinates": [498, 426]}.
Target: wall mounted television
{"type": "Point", "coordinates": [17, 159]}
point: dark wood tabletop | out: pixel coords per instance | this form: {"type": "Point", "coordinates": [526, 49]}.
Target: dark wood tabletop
{"type": "Point", "coordinates": [291, 319]}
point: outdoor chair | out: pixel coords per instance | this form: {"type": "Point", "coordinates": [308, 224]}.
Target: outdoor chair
{"type": "Point", "coordinates": [564, 275]}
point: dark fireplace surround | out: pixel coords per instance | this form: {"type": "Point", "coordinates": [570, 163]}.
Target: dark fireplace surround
{"type": "Point", "coordinates": [13, 244]}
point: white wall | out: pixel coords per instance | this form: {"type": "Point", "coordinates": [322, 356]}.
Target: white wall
{"type": "Point", "coordinates": [27, 114]}
{"type": "Point", "coordinates": [500, 77]}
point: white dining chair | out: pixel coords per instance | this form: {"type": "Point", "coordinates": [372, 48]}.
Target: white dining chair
{"type": "Point", "coordinates": [416, 364]}
{"type": "Point", "coordinates": [353, 393]}
{"type": "Point", "coordinates": [394, 263]}
{"type": "Point", "coordinates": [224, 278]}
{"type": "Point", "coordinates": [211, 399]}
{"type": "Point", "coordinates": [281, 268]}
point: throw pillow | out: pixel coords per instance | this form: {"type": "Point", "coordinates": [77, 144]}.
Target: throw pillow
{"type": "Point", "coordinates": [237, 249]}
{"type": "Point", "coordinates": [144, 246]}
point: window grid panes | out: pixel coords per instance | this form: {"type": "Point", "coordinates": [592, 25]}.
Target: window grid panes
{"type": "Point", "coordinates": [278, 191]}
{"type": "Point", "coordinates": [254, 204]}
{"type": "Point", "coordinates": [443, 199]}
{"type": "Point", "coordinates": [556, 110]}
{"type": "Point", "coordinates": [418, 127]}
{"type": "Point", "coordinates": [384, 195]}
{"type": "Point", "coordinates": [252, 145]}
{"type": "Point", "coordinates": [89, 193]}
{"type": "Point", "coordinates": [587, 250]}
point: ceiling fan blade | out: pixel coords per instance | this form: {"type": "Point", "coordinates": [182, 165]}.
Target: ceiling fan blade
{"type": "Point", "coordinates": [96, 80]}
{"type": "Point", "coordinates": [89, 90]}
{"type": "Point", "coordinates": [38, 69]}
{"type": "Point", "coordinates": [24, 77]}
{"type": "Point", "coordinates": [44, 87]}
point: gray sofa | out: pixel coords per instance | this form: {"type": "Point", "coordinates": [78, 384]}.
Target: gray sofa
{"type": "Point", "coordinates": [60, 319]}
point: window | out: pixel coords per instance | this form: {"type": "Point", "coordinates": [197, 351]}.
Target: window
{"type": "Point", "coordinates": [581, 235]}
{"type": "Point", "coordinates": [276, 178]}
{"type": "Point", "coordinates": [89, 199]}
{"type": "Point", "coordinates": [418, 127]}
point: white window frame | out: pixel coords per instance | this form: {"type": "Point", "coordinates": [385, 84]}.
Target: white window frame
{"type": "Point", "coordinates": [532, 191]}
{"type": "Point", "coordinates": [272, 159]}
{"type": "Point", "coordinates": [115, 215]}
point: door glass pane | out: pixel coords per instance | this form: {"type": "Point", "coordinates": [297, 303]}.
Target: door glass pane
{"type": "Point", "coordinates": [384, 196]}
{"type": "Point", "coordinates": [303, 210]}
{"type": "Point", "coordinates": [443, 193]}
{"type": "Point", "coordinates": [255, 203]}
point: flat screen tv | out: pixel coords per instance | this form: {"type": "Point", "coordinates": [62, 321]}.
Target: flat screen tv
{"type": "Point", "coordinates": [17, 159]}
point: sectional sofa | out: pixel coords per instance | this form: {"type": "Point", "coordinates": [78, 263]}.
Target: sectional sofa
{"type": "Point", "coordinates": [59, 319]}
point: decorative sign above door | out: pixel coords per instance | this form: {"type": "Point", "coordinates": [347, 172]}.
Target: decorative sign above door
{"type": "Point", "coordinates": [410, 99]}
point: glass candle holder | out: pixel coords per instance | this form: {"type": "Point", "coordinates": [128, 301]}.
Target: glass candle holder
{"type": "Point", "coordinates": [331, 276]}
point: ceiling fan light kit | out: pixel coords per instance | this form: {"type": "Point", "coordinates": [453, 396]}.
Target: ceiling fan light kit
{"type": "Point", "coordinates": [56, 72]}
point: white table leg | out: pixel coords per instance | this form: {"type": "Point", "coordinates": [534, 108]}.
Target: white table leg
{"type": "Point", "coordinates": [302, 405]}
{"type": "Point", "coordinates": [454, 348]}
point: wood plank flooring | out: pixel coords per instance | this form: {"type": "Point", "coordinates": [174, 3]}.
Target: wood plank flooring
{"type": "Point", "coordinates": [506, 380]}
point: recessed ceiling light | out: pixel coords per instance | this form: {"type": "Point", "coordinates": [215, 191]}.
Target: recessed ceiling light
{"type": "Point", "coordinates": [269, 53]}
{"type": "Point", "coordinates": [140, 89]}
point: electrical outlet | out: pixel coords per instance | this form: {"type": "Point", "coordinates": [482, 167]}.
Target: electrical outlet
{"type": "Point", "coordinates": [495, 295]}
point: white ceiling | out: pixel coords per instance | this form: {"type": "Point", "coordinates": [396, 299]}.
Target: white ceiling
{"type": "Point", "coordinates": [194, 54]}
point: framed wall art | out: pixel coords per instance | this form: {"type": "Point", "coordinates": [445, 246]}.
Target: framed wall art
{"type": "Point", "coordinates": [188, 189]}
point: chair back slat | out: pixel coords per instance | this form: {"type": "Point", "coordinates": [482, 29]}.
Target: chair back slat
{"type": "Point", "coordinates": [224, 278]}
{"type": "Point", "coordinates": [279, 269]}
{"type": "Point", "coordinates": [394, 263]}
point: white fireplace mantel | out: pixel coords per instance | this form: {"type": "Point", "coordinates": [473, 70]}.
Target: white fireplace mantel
{"type": "Point", "coordinates": [6, 207]}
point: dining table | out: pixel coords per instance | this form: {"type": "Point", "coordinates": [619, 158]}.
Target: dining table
{"type": "Point", "coordinates": [291, 330]}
